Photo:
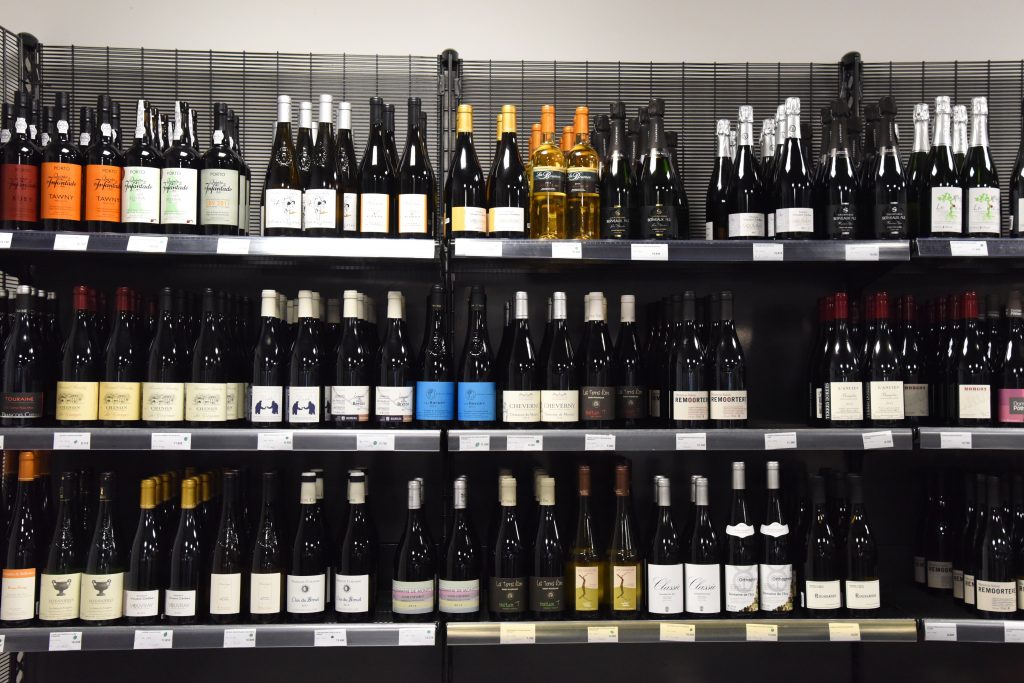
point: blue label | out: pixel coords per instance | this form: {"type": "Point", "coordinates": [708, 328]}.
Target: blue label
{"type": "Point", "coordinates": [477, 401]}
{"type": "Point", "coordinates": [435, 400]}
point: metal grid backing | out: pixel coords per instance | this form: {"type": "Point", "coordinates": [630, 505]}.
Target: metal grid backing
{"type": "Point", "coordinates": [8, 63]}
{"type": "Point", "coordinates": [249, 82]}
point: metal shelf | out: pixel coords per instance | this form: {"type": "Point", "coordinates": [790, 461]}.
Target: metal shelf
{"type": "Point", "coordinates": [678, 439]}
{"type": "Point", "coordinates": [979, 438]}
{"type": "Point", "coordinates": [998, 247]}
{"type": "Point", "coordinates": [973, 631]}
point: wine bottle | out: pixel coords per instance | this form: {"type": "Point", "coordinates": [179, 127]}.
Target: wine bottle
{"type": "Point", "coordinates": [303, 396]}
{"type": "Point", "coordinates": [843, 387]}
{"type": "Point", "coordinates": [1017, 190]}
{"type": "Point", "coordinates": [508, 190]}
{"type": "Point", "coordinates": [643, 138]}
{"type": "Point", "coordinates": [145, 576]}
{"type": "Point", "coordinates": [78, 382]}
{"type": "Point", "coordinates": [206, 392]}
{"type": "Point", "coordinates": [304, 143]}
{"type": "Point", "coordinates": [507, 560]}
{"type": "Point", "coordinates": [941, 194]}
{"type": "Point", "coordinates": [794, 212]}
{"type": "Point", "coordinates": [1009, 378]}
{"type": "Point", "coordinates": [245, 173]}
{"type": "Point", "coordinates": [819, 585]}
{"type": "Point", "coordinates": [664, 563]}
{"type": "Point", "coordinates": [140, 186]}
{"type": "Point", "coordinates": [702, 569]}
{"type": "Point", "coordinates": [179, 178]}
{"type": "Point", "coordinates": [120, 389]}
{"type": "Point", "coordinates": [548, 219]}
{"type": "Point", "coordinates": [728, 386]}
{"type": "Point", "coordinates": [378, 184]}
{"type": "Point", "coordinates": [282, 193]}
{"type": "Point", "coordinates": [412, 589]}
{"type": "Point", "coordinates": [350, 391]}
{"type": "Point", "coordinates": [971, 376]}
{"type": "Point", "coordinates": [630, 394]}
{"type": "Point", "coordinates": [560, 398]}
{"type": "Point", "coordinates": [19, 172]}
{"type": "Point", "coordinates": [395, 391]}
{"type": "Point", "coordinates": [389, 136]}
{"type": "Point", "coordinates": [306, 589]}
{"type": "Point", "coordinates": [623, 561]}
{"type": "Point", "coordinates": [547, 572]}
{"type": "Point", "coordinates": [103, 579]}
{"type": "Point", "coordinates": [838, 200]}
{"type": "Point", "coordinates": [583, 565]}
{"type": "Point", "coordinates": [583, 202]}
{"type": "Point", "coordinates": [883, 373]}
{"type": "Point", "coordinates": [435, 388]}
{"type": "Point", "coordinates": [318, 171]}
{"type": "Point", "coordinates": [184, 599]}
{"type": "Point", "coordinates": [972, 539]}
{"type": "Point", "coordinates": [476, 380]}
{"type": "Point", "coordinates": [103, 172]}
{"type": "Point", "coordinates": [61, 575]}
{"type": "Point", "coordinates": [465, 213]}
{"type": "Point", "coordinates": [995, 581]}
{"type": "Point", "coordinates": [60, 174]}
{"type": "Point", "coordinates": [597, 368]}
{"type": "Point", "coordinates": [602, 128]}
{"type": "Point", "coordinates": [416, 215]}
{"type": "Point", "coordinates": [775, 567]}
{"type": "Point", "coordinates": [741, 572]}
{"type": "Point", "coordinates": [520, 394]}
{"type": "Point", "coordinates": [25, 366]}
{"type": "Point", "coordinates": [355, 569]}
{"type": "Point", "coordinates": [459, 581]}
{"type": "Point", "coordinates": [861, 585]}
{"type": "Point", "coordinates": [266, 393]}
{"type": "Point", "coordinates": [916, 166]}
{"type": "Point", "coordinates": [912, 358]}
{"type": "Point", "coordinates": [745, 194]}
{"type": "Point", "coordinates": [979, 179]}
{"type": "Point", "coordinates": [220, 180]}
{"type": "Point", "coordinates": [163, 391]}
{"type": "Point", "coordinates": [266, 571]}
{"type": "Point", "coordinates": [687, 384]}
{"type": "Point", "coordinates": [938, 540]}
{"type": "Point", "coordinates": [226, 557]}
{"type": "Point", "coordinates": [618, 188]}
{"type": "Point", "coordinates": [348, 173]}
{"type": "Point", "coordinates": [716, 207]}
{"type": "Point", "coordinates": [19, 585]}
{"type": "Point", "coordinates": [657, 194]}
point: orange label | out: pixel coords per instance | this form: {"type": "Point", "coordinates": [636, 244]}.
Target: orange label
{"type": "Point", "coordinates": [103, 193]}
{"type": "Point", "coordinates": [19, 573]}
{"type": "Point", "coordinates": [60, 196]}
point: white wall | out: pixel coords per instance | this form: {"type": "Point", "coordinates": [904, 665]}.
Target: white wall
{"type": "Point", "coordinates": [658, 30]}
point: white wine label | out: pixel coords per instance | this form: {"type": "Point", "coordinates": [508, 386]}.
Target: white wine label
{"type": "Point", "coordinates": [305, 594]}
{"type": "Point", "coordinates": [218, 196]}
{"type": "Point", "coordinates": [844, 401]}
{"type": "Point", "coordinates": [983, 211]}
{"type": "Point", "coordinates": [586, 586]}
{"type": "Point", "coordinates": [886, 400]}
{"type": "Point", "coordinates": [507, 219]}
{"type": "Point", "coordinates": [703, 588]}
{"type": "Point", "coordinates": [774, 529]}
{"type": "Point", "coordinates": [728, 405]}
{"type": "Point", "coordinates": [746, 225]}
{"type": "Point", "coordinates": [739, 530]}
{"type": "Point", "coordinates": [776, 585]}
{"type": "Point", "coordinates": [690, 406]}
{"type": "Point", "coordinates": [472, 219]}
{"type": "Point", "coordinates": [395, 402]}
{"type": "Point", "coordinates": [558, 405]}
{"type": "Point", "coordinates": [180, 603]}
{"type": "Point", "coordinates": [940, 575]}
{"type": "Point", "coordinates": [374, 212]}
{"type": "Point", "coordinates": [140, 195]}
{"type": "Point", "coordinates": [241, 392]}
{"type": "Point", "coordinates": [265, 593]}
{"type": "Point", "coordinates": [352, 593]}
{"type": "Point", "coordinates": [863, 594]}
{"type": "Point", "coordinates": [919, 569]}
{"type": "Point", "coordinates": [458, 597]}
{"type": "Point", "coordinates": [822, 595]}
{"type": "Point", "coordinates": [206, 402]}
{"type": "Point", "coordinates": [350, 218]}
{"type": "Point", "coordinates": [352, 402]}
{"type": "Point", "coordinates": [958, 584]}
{"type": "Point", "coordinates": [78, 400]}
{"type": "Point", "coordinates": [266, 404]}
{"type": "Point", "coordinates": [225, 593]}
{"type": "Point", "coordinates": [59, 595]}
{"type": "Point", "coordinates": [283, 209]}
{"type": "Point", "coordinates": [163, 401]}
{"type": "Point", "coordinates": [741, 587]}
{"type": "Point", "coordinates": [120, 400]}
{"type": "Point", "coordinates": [996, 596]}
{"type": "Point", "coordinates": [665, 593]}
{"type": "Point", "coordinates": [179, 189]}
{"type": "Point", "coordinates": [794, 220]}
{"type": "Point", "coordinates": [969, 589]}
{"type": "Point", "coordinates": [974, 402]}
{"type": "Point", "coordinates": [412, 597]}
{"type": "Point", "coordinates": [520, 406]}
{"type": "Point", "coordinates": [947, 210]}
{"type": "Point", "coordinates": [142, 603]}
{"type": "Point", "coordinates": [320, 209]}
{"type": "Point", "coordinates": [623, 580]}
{"type": "Point", "coordinates": [102, 597]}
{"type": "Point", "coordinates": [412, 214]}
{"type": "Point", "coordinates": [915, 400]}
{"type": "Point", "coordinates": [18, 594]}
{"type": "Point", "coordinates": [303, 405]}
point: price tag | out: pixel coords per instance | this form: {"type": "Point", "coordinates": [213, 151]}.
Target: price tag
{"type": "Point", "coordinates": [877, 440]}
{"type": "Point", "coordinates": [524, 442]}
{"type": "Point", "coordinates": [768, 633]}
{"type": "Point", "coordinates": [843, 631]}
{"type": "Point", "coordinates": [232, 245]}
{"type": "Point", "coordinates": [5, 240]}
{"type": "Point", "coordinates": [940, 631]}
{"type": "Point", "coordinates": [861, 252]}
{"type": "Point", "coordinates": [65, 640]}
{"type": "Point", "coordinates": [156, 244]}
{"type": "Point", "coordinates": [777, 441]}
{"type": "Point", "coordinates": [417, 635]}
{"type": "Point", "coordinates": [1013, 631]}
{"type": "Point", "coordinates": [768, 251]}
{"type": "Point", "coordinates": [71, 441]}
{"type": "Point", "coordinates": [566, 250]}
{"type": "Point", "coordinates": [167, 441]}
{"type": "Point", "coordinates": [3, 641]}
{"type": "Point", "coordinates": [602, 634]}
{"type": "Point", "coordinates": [678, 633]}
{"type": "Point", "coordinates": [67, 242]}
{"type": "Point", "coordinates": [274, 441]}
{"type": "Point", "coordinates": [968, 248]}
{"type": "Point", "coordinates": [648, 252]}
{"type": "Point", "coordinates": [375, 442]}
{"type": "Point", "coordinates": [239, 637]}
{"type": "Point", "coordinates": [420, 249]}
{"type": "Point", "coordinates": [330, 637]}
{"type": "Point", "coordinates": [517, 634]}
{"type": "Point", "coordinates": [686, 441]}
{"type": "Point", "coordinates": [954, 439]}
{"type": "Point", "coordinates": [153, 640]}
{"type": "Point", "coordinates": [474, 442]}
{"type": "Point", "coordinates": [477, 247]}
{"type": "Point", "coordinates": [599, 442]}
{"type": "Point", "coordinates": [1, 441]}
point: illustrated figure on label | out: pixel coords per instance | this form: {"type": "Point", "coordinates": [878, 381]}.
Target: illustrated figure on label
{"type": "Point", "coordinates": [273, 408]}
{"type": "Point", "coordinates": [61, 586]}
{"type": "Point", "coordinates": [310, 408]}
{"type": "Point", "coordinates": [583, 586]}
{"type": "Point", "coordinates": [100, 587]}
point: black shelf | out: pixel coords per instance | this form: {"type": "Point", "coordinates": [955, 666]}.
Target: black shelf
{"type": "Point", "coordinates": [944, 248]}
{"type": "Point", "coordinates": [977, 438]}
{"type": "Point", "coordinates": [972, 631]}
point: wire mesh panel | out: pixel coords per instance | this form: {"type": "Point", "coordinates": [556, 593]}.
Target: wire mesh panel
{"type": "Point", "coordinates": [9, 71]}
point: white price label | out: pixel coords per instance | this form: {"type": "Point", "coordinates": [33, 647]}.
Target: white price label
{"type": "Point", "coordinates": [1, 441]}
{"type": "Point", "coordinates": [679, 633]}
{"type": "Point", "coordinates": [66, 242]}
{"type": "Point", "coordinates": [877, 440]}
{"type": "Point", "coordinates": [474, 442]}
{"type": "Point", "coordinates": [777, 441]}
{"type": "Point", "coordinates": [1013, 631]}
{"type": "Point", "coordinates": [71, 441]}
{"type": "Point", "coordinates": [154, 244]}
{"type": "Point", "coordinates": [477, 247]}
{"type": "Point", "coordinates": [763, 632]}
{"type": "Point", "coordinates": [239, 637]}
{"type": "Point", "coordinates": [861, 252]}
{"type": "Point", "coordinates": [517, 634]}
{"type": "Point", "coordinates": [5, 240]}
{"type": "Point", "coordinates": [599, 442]}
{"type": "Point", "coordinates": [330, 637]}
{"type": "Point", "coordinates": [274, 441]}
{"type": "Point", "coordinates": [940, 631]}
{"type": "Point", "coordinates": [168, 441]}
{"type": "Point", "coordinates": [768, 252]}
{"type": "Point", "coordinates": [687, 441]}
{"type": "Point", "coordinates": [843, 631]}
{"type": "Point", "coordinates": [233, 245]}
{"type": "Point", "coordinates": [954, 439]}
{"type": "Point", "coordinates": [968, 248]}
{"type": "Point", "coordinates": [423, 249]}
{"type": "Point", "coordinates": [153, 640]}
{"type": "Point", "coordinates": [602, 634]}
{"type": "Point", "coordinates": [524, 442]}
{"type": "Point", "coordinates": [416, 635]}
{"type": "Point", "coordinates": [3, 641]}
{"type": "Point", "coordinates": [648, 252]}
{"type": "Point", "coordinates": [375, 442]}
{"type": "Point", "coordinates": [566, 250]}
{"type": "Point", "coordinates": [65, 640]}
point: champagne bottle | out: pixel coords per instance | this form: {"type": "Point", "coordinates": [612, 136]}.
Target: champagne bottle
{"type": "Point", "coordinates": [664, 564]}
{"type": "Point", "coordinates": [716, 209]}
{"type": "Point", "coordinates": [994, 579]}
{"type": "Point", "coordinates": [507, 587]}
{"type": "Point", "coordinates": [819, 585]}
{"type": "Point", "coordinates": [883, 373]}
{"type": "Point", "coordinates": [520, 395]}
{"type": "Point", "coordinates": [547, 573]}
{"type": "Point", "coordinates": [618, 186]}
{"type": "Point", "coordinates": [916, 168]}
{"type": "Point", "coordinates": [741, 573]}
{"type": "Point", "coordinates": [266, 571]}
{"type": "Point", "coordinates": [979, 179]}
{"type": "Point", "coordinates": [838, 199]}
{"type": "Point", "coordinates": [226, 557]}
{"type": "Point", "coordinates": [624, 570]}
{"type": "Point", "coordinates": [548, 218]}
{"type": "Point", "coordinates": [560, 397]}
{"type": "Point", "coordinates": [941, 195]}
{"type": "Point", "coordinates": [464, 190]}
{"type": "Point", "coordinates": [435, 388]}
{"type": "Point", "coordinates": [306, 594]}
{"type": "Point", "coordinates": [60, 173]}
{"type": "Point", "coordinates": [416, 215]}
{"type": "Point", "coordinates": [794, 212]}
{"type": "Point", "coordinates": [1017, 189]}
{"type": "Point", "coordinates": [206, 394]}
{"type": "Point", "coordinates": [20, 584]}
{"type": "Point", "coordinates": [508, 190]}
{"type": "Point", "coordinates": [887, 182]}
{"type": "Point", "coordinates": [459, 581]}
{"type": "Point", "coordinates": [103, 579]}
{"type": "Point", "coordinates": [147, 562]}
{"type": "Point", "coordinates": [350, 391]}
{"type": "Point", "coordinates": [745, 200]}
{"type": "Point", "coordinates": [395, 391]}
{"type": "Point", "coordinates": [476, 385]}
{"type": "Point", "coordinates": [412, 589]}
{"type": "Point", "coordinates": [657, 187]}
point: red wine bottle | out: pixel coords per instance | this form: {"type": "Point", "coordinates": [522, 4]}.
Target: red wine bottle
{"type": "Point", "coordinates": [843, 389]}
{"type": "Point", "coordinates": [971, 375]}
{"type": "Point", "coordinates": [728, 383]}
{"type": "Point", "coordinates": [597, 367]}
{"type": "Point", "coordinates": [861, 585]}
{"type": "Point", "coordinates": [995, 582]}
{"type": "Point", "coordinates": [687, 382]}
{"type": "Point", "coordinates": [630, 394]}
{"type": "Point", "coordinates": [883, 373]}
{"type": "Point", "coordinates": [25, 364]}
{"type": "Point", "coordinates": [819, 585]}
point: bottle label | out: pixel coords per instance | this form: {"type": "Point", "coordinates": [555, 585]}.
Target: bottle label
{"type": "Point", "coordinates": [1011, 405]}
{"type": "Point", "coordinates": [969, 589]}
{"type": "Point", "coordinates": [863, 594]}
{"type": "Point", "coordinates": [915, 400]}
{"type": "Point", "coordinates": [885, 400]}
{"type": "Point", "coordinates": [947, 210]}
{"type": "Point", "coordinates": [469, 219]}
{"type": "Point", "coordinates": [623, 587]}
{"type": "Point", "coordinates": [974, 402]}
{"type": "Point", "coordinates": [794, 220]}
{"type": "Point", "coordinates": [18, 594]}
{"type": "Point", "coordinates": [615, 222]}
{"type": "Point", "coordinates": [822, 595]}
{"type": "Point", "coordinates": [303, 404]}
{"type": "Point", "coordinates": [581, 180]}
{"type": "Point", "coordinates": [225, 593]}
{"type": "Point", "coordinates": [352, 593]}
{"type": "Point", "coordinates": [265, 404]}
{"type": "Point", "coordinates": [235, 399]}
{"type": "Point", "coordinates": [350, 403]}
{"type": "Point", "coordinates": [741, 587]}
{"type": "Point", "coordinates": [746, 224]}
{"type": "Point", "coordinates": [891, 220]}
{"type": "Point", "coordinates": [412, 597]}
{"type": "Point", "coordinates": [598, 403]}
{"type": "Point", "coordinates": [507, 595]}
{"type": "Point", "coordinates": [206, 402]}
{"type": "Point", "coordinates": [771, 224]}
{"type": "Point", "coordinates": [163, 401]}
{"type": "Point", "coordinates": [283, 209]}
{"type": "Point", "coordinates": [841, 221]}
{"type": "Point", "coordinates": [558, 405]}
{"type": "Point", "coordinates": [996, 596]}
{"type": "Point", "coordinates": [349, 217]}
{"type": "Point", "coordinates": [548, 179]}
{"type": "Point", "coordinates": [586, 595]}
{"type": "Point", "coordinates": [477, 401]}
{"type": "Point", "coordinates": [665, 588]}
{"type": "Point", "coordinates": [394, 404]}
{"type": "Point", "coordinates": [22, 404]}
{"type": "Point", "coordinates": [103, 193]}
{"type": "Point", "coordinates": [218, 198]}
{"type": "Point", "coordinates": [506, 219]}
{"type": "Point", "coordinates": [703, 588]}
{"type": "Point", "coordinates": [630, 402]}
{"type": "Point", "coordinates": [520, 406]}
{"type": "Point", "coordinates": [60, 197]}
{"type": "Point", "coordinates": [142, 603]}
{"type": "Point", "coordinates": [1020, 590]}
{"type": "Point", "coordinates": [658, 222]}
{"type": "Point", "coordinates": [120, 400]}
{"type": "Point", "coordinates": [740, 530]}
{"type": "Point", "coordinates": [775, 530]}
{"type": "Point", "coordinates": [728, 405]}
{"type": "Point", "coordinates": [435, 401]}
{"type": "Point", "coordinates": [547, 593]}
{"type": "Point", "coordinates": [20, 192]}
{"type": "Point", "coordinates": [919, 569]}
{"type": "Point", "coordinates": [690, 406]}
{"type": "Point", "coordinates": [958, 584]}
{"type": "Point", "coordinates": [59, 595]}
{"type": "Point", "coordinates": [78, 400]}
{"type": "Point", "coordinates": [179, 190]}
{"type": "Point", "coordinates": [140, 195]}
{"type": "Point", "coordinates": [305, 594]}
{"type": "Point", "coordinates": [180, 603]}
{"type": "Point", "coordinates": [844, 401]}
{"type": "Point", "coordinates": [458, 597]}
{"type": "Point", "coordinates": [654, 396]}
{"type": "Point", "coordinates": [983, 211]}
{"type": "Point", "coordinates": [819, 394]}
{"type": "Point", "coordinates": [776, 584]}
{"type": "Point", "coordinates": [265, 593]}
{"type": "Point", "coordinates": [102, 597]}
{"type": "Point", "coordinates": [940, 575]}
{"type": "Point", "coordinates": [243, 205]}
{"type": "Point", "coordinates": [412, 214]}
{"type": "Point", "coordinates": [319, 209]}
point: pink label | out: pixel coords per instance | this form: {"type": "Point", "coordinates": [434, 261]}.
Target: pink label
{"type": "Point", "coordinates": [1011, 405]}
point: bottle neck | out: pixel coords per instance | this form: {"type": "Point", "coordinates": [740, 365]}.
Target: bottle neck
{"type": "Point", "coordinates": [837, 140]}
{"type": "Point", "coordinates": [887, 138]}
{"type": "Point", "coordinates": [942, 131]}
{"type": "Point", "coordinates": [722, 150]}
{"type": "Point", "coordinates": [617, 143]}
{"type": "Point", "coordinates": [792, 127]}
{"type": "Point", "coordinates": [656, 135]}
{"type": "Point", "coordinates": [979, 130]}
{"type": "Point", "coordinates": [745, 134]}
{"type": "Point", "coordinates": [921, 136]}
